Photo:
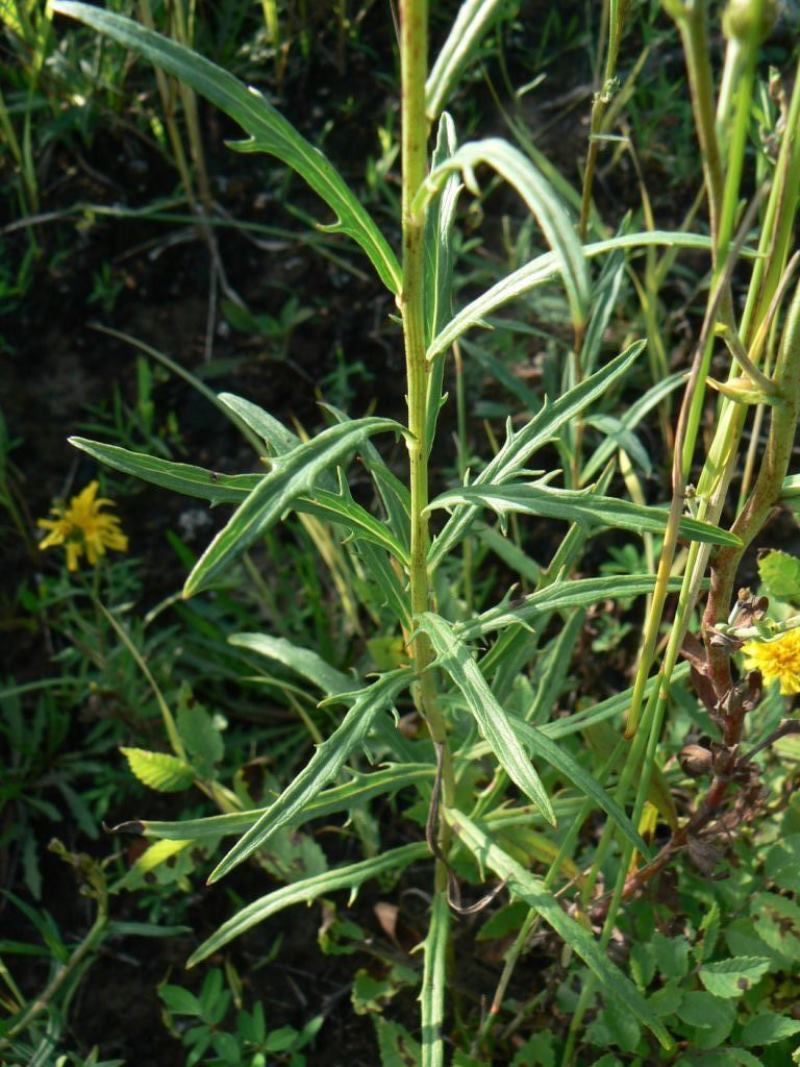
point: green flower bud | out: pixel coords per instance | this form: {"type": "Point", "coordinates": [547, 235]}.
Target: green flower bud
{"type": "Point", "coordinates": [749, 21]}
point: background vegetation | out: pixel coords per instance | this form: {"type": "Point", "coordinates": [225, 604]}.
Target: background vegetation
{"type": "Point", "coordinates": [162, 294]}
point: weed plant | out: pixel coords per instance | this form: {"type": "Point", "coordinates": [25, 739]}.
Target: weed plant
{"type": "Point", "coordinates": [643, 848]}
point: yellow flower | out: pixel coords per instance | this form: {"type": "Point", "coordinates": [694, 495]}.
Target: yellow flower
{"type": "Point", "coordinates": [84, 528]}
{"type": "Point", "coordinates": [777, 659]}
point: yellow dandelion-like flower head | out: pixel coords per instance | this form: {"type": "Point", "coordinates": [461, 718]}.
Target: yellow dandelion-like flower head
{"type": "Point", "coordinates": [778, 659]}
{"type": "Point", "coordinates": [84, 528]}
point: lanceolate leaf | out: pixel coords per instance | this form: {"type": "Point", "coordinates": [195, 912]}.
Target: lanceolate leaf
{"type": "Point", "coordinates": [528, 887]}
{"type": "Point", "coordinates": [472, 22]}
{"type": "Point", "coordinates": [268, 129]}
{"type": "Point", "coordinates": [306, 663]}
{"type": "Point", "coordinates": [570, 505]}
{"type": "Point", "coordinates": [559, 758]}
{"type": "Point", "coordinates": [178, 477]}
{"type": "Point", "coordinates": [493, 722]}
{"type": "Point", "coordinates": [543, 269]}
{"type": "Point", "coordinates": [277, 437]}
{"type": "Point", "coordinates": [540, 198]}
{"type": "Point", "coordinates": [326, 762]}
{"type": "Point", "coordinates": [344, 797]}
{"type": "Point", "coordinates": [319, 885]}
{"type": "Point", "coordinates": [292, 476]}
{"type": "Point", "coordinates": [520, 445]}
{"type": "Point", "coordinates": [570, 593]}
{"type": "Point", "coordinates": [340, 508]}
{"type": "Point", "coordinates": [631, 418]}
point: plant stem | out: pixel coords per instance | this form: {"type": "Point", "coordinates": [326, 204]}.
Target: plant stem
{"type": "Point", "coordinates": [413, 48]}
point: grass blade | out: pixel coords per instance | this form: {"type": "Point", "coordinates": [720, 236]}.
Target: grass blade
{"type": "Point", "coordinates": [558, 757]}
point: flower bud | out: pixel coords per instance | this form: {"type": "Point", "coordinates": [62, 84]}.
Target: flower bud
{"type": "Point", "coordinates": [695, 760]}
{"type": "Point", "coordinates": [741, 20]}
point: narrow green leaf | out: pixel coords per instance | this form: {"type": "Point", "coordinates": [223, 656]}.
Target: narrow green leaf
{"type": "Point", "coordinates": [319, 885]}
{"type": "Point", "coordinates": [528, 887]}
{"type": "Point", "coordinates": [571, 505]}
{"type": "Point", "coordinates": [438, 275]}
{"type": "Point", "coordinates": [543, 269]}
{"type": "Point", "coordinates": [277, 437]}
{"type": "Point", "coordinates": [434, 983]}
{"type": "Point", "coordinates": [340, 508]}
{"type": "Point", "coordinates": [303, 661]}
{"type": "Point", "coordinates": [569, 593]}
{"type": "Point", "coordinates": [630, 420]}
{"type": "Point", "coordinates": [178, 477]}
{"type": "Point", "coordinates": [558, 757]}
{"type": "Point", "coordinates": [327, 761]}
{"type": "Point", "coordinates": [268, 129]}
{"type": "Point", "coordinates": [493, 722]}
{"type": "Point", "coordinates": [540, 198]}
{"type": "Point", "coordinates": [292, 476]}
{"type": "Point", "coordinates": [159, 770]}
{"type": "Point", "coordinates": [520, 445]}
{"type": "Point", "coordinates": [472, 23]}
{"type": "Point", "coordinates": [338, 798]}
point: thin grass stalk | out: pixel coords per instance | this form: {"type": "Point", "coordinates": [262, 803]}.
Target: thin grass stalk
{"type": "Point", "coordinates": [614, 18]}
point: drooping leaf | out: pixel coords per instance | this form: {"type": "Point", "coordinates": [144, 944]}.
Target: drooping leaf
{"type": "Point", "coordinates": [303, 661]}
{"type": "Point", "coordinates": [350, 878]}
{"type": "Point", "coordinates": [493, 722]}
{"type": "Point", "coordinates": [292, 475]}
{"type": "Point", "coordinates": [269, 131]}
{"type": "Point", "coordinates": [327, 761]}
{"type": "Point", "coordinates": [541, 199]}
{"type": "Point", "coordinates": [543, 269]}
{"type": "Point", "coordinates": [528, 887]}
{"type": "Point", "coordinates": [472, 23]}
{"type": "Point", "coordinates": [278, 438]}
{"type": "Point", "coordinates": [571, 505]}
{"type": "Point", "coordinates": [159, 770]}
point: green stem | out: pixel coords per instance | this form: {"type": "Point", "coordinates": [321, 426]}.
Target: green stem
{"type": "Point", "coordinates": [413, 48]}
